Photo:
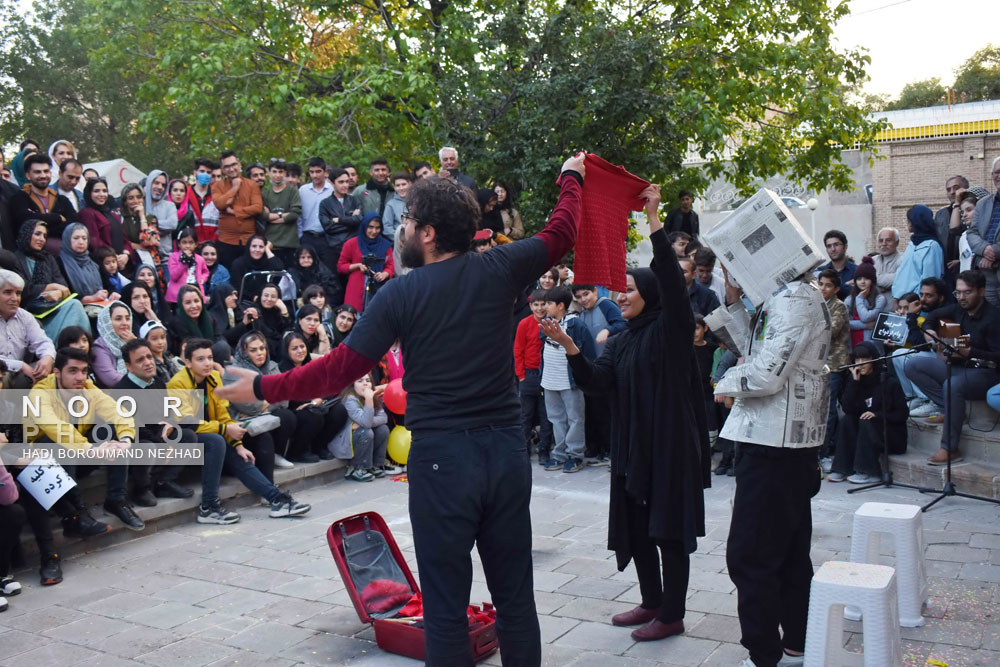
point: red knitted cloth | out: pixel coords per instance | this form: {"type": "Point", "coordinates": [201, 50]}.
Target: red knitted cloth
{"type": "Point", "coordinates": [609, 193]}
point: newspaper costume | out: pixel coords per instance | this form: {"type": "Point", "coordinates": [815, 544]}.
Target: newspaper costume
{"type": "Point", "coordinates": [778, 418]}
{"type": "Point", "coordinates": [782, 389]}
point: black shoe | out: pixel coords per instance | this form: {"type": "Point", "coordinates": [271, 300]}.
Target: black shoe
{"type": "Point", "coordinates": [123, 511]}
{"type": "Point", "coordinates": [50, 572]}
{"type": "Point", "coordinates": [144, 497]}
{"type": "Point", "coordinates": [325, 455]}
{"type": "Point", "coordinates": [171, 489]}
{"type": "Point", "coordinates": [308, 457]}
{"type": "Point", "coordinates": [731, 471]}
{"type": "Point", "coordinates": [83, 525]}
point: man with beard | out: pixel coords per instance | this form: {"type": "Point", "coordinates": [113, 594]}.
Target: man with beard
{"type": "Point", "coordinates": [469, 475]}
{"type": "Point", "coordinates": [38, 201]}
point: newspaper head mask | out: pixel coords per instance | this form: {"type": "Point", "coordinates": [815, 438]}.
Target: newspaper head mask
{"type": "Point", "coordinates": [762, 246]}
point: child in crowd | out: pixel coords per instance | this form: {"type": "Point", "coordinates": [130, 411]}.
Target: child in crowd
{"type": "Point", "coordinates": [840, 347]}
{"type": "Point", "coordinates": [603, 319]}
{"type": "Point", "coordinates": [185, 266]}
{"type": "Point", "coordinates": [563, 399]}
{"type": "Point", "coordinates": [864, 303]}
{"type": "Point", "coordinates": [527, 365]}
{"type": "Point", "coordinates": [167, 365]}
{"type": "Point", "coordinates": [316, 295]}
{"type": "Point", "coordinates": [391, 365]}
{"type": "Point", "coordinates": [704, 352]}
{"type": "Point", "coordinates": [364, 438]}
{"type": "Point", "coordinates": [107, 262]}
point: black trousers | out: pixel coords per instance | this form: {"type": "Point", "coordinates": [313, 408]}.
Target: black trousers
{"type": "Point", "coordinates": [316, 427]}
{"type": "Point", "coordinates": [596, 425]}
{"type": "Point", "coordinates": [859, 444]}
{"type": "Point", "coordinates": [228, 253]}
{"type": "Point", "coordinates": [529, 391]}
{"type": "Point", "coordinates": [768, 549]}
{"type": "Point", "coordinates": [11, 519]}
{"type": "Point", "coordinates": [473, 488]}
{"type": "Point", "coordinates": [669, 593]}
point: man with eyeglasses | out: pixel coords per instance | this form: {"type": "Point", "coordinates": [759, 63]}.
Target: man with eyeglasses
{"type": "Point", "coordinates": [239, 202]}
{"type": "Point", "coordinates": [836, 249]}
{"type": "Point", "coordinates": [974, 366]}
{"type": "Point", "coordinates": [887, 260]}
{"type": "Point", "coordinates": [982, 237]}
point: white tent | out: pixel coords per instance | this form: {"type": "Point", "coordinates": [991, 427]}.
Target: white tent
{"type": "Point", "coordinates": [117, 172]}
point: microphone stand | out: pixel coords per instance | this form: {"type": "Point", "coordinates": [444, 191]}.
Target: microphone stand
{"type": "Point", "coordinates": [949, 488]}
{"type": "Point", "coordinates": [887, 480]}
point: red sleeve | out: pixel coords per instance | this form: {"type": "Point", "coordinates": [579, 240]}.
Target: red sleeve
{"type": "Point", "coordinates": [519, 351]}
{"type": "Point", "coordinates": [346, 255]}
{"type": "Point", "coordinates": [390, 264]}
{"type": "Point", "coordinates": [559, 234]}
{"type": "Point", "coordinates": [326, 376]}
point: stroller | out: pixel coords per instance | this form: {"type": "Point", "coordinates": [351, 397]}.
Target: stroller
{"type": "Point", "coordinates": [254, 281]}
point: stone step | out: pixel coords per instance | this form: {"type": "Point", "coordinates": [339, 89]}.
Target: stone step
{"type": "Point", "coordinates": [170, 512]}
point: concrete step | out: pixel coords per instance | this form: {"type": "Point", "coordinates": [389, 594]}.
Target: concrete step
{"type": "Point", "coordinates": [979, 471]}
{"type": "Point", "coordinates": [170, 512]}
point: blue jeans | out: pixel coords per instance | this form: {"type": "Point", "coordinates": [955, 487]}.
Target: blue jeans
{"type": "Point", "coordinates": [967, 384]}
{"type": "Point", "coordinates": [899, 361]}
{"type": "Point", "coordinates": [565, 409]}
{"type": "Point", "coordinates": [219, 454]}
{"type": "Point", "coordinates": [993, 397]}
{"type": "Point", "coordinates": [473, 488]}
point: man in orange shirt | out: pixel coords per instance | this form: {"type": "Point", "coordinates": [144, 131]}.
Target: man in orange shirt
{"type": "Point", "coordinates": [239, 202]}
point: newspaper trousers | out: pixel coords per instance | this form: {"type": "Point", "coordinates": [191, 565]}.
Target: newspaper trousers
{"type": "Point", "coordinates": [473, 488]}
{"type": "Point", "coordinates": [768, 549]}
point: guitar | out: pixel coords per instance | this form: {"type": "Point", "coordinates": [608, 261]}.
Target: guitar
{"type": "Point", "coordinates": [950, 333]}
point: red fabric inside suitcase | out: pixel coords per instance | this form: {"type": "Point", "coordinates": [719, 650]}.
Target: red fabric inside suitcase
{"type": "Point", "coordinates": [386, 590]}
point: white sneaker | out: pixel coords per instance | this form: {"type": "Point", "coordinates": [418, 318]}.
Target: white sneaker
{"type": "Point", "coordinates": [826, 463]}
{"type": "Point", "coordinates": [791, 660]}
{"type": "Point", "coordinates": [281, 462]}
{"type": "Point", "coordinates": [861, 478]}
{"type": "Point", "coordinates": [924, 409]}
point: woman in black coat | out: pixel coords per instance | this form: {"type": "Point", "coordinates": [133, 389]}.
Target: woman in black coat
{"type": "Point", "coordinates": [872, 413]}
{"type": "Point", "coordinates": [660, 458]}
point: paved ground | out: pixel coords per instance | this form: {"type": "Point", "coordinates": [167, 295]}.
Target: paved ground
{"type": "Point", "coordinates": [266, 592]}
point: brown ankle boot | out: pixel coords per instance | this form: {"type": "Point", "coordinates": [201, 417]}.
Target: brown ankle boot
{"type": "Point", "coordinates": [636, 616]}
{"type": "Point", "coordinates": [657, 629]}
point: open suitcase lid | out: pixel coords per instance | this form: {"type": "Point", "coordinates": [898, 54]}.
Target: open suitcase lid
{"type": "Point", "coordinates": [367, 555]}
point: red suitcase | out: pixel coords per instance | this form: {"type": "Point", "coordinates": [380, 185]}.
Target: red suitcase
{"type": "Point", "coordinates": [367, 537]}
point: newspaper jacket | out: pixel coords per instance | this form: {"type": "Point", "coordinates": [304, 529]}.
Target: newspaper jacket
{"type": "Point", "coordinates": [782, 390]}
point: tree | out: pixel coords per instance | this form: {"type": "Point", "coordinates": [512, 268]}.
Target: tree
{"type": "Point", "coordinates": [918, 94]}
{"type": "Point", "coordinates": [979, 77]}
{"type": "Point", "coordinates": [751, 87]}
{"type": "Point", "coordinates": [59, 92]}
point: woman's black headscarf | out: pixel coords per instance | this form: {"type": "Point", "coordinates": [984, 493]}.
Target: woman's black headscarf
{"type": "Point", "coordinates": [218, 310]}
{"type": "Point", "coordinates": [24, 240]}
{"type": "Point", "coordinates": [492, 220]}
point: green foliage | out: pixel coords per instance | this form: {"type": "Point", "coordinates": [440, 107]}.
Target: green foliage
{"type": "Point", "coordinates": [979, 77]}
{"type": "Point", "coordinates": [59, 92]}
{"type": "Point", "coordinates": [927, 93]}
{"type": "Point", "coordinates": [750, 87]}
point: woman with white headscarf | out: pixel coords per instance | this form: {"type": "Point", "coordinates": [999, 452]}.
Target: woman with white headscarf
{"type": "Point", "coordinates": [114, 329]}
{"type": "Point", "coordinates": [58, 152]}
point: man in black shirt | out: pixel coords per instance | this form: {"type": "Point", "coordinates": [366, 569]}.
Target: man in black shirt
{"type": "Point", "coordinates": [683, 219]}
{"type": "Point", "coordinates": [974, 367]}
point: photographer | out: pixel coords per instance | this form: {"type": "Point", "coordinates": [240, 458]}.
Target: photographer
{"type": "Point", "coordinates": [367, 261]}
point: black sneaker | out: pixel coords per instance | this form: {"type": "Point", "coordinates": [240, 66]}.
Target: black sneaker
{"type": "Point", "coordinates": [376, 472]}
{"type": "Point", "coordinates": [324, 455]}
{"type": "Point", "coordinates": [391, 469]}
{"type": "Point", "coordinates": [171, 489]}
{"type": "Point", "coordinates": [284, 505]}
{"type": "Point", "coordinates": [83, 525]}
{"type": "Point", "coordinates": [9, 587]}
{"type": "Point", "coordinates": [217, 514]}
{"type": "Point", "coordinates": [50, 572]}
{"type": "Point", "coordinates": [124, 511]}
{"type": "Point", "coordinates": [144, 498]}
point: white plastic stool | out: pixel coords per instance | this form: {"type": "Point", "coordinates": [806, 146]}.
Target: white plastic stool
{"type": "Point", "coordinates": [870, 587]}
{"type": "Point", "coordinates": [904, 523]}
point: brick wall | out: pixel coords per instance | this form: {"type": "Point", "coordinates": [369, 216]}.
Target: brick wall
{"type": "Point", "coordinates": [914, 172]}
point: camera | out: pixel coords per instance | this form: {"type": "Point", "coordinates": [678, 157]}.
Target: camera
{"type": "Point", "coordinates": [370, 261]}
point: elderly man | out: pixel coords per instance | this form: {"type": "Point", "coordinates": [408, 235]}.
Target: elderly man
{"type": "Point", "coordinates": [20, 334]}
{"type": "Point", "coordinates": [887, 259]}
{"type": "Point", "coordinates": [449, 168]}
{"type": "Point", "coordinates": [982, 237]}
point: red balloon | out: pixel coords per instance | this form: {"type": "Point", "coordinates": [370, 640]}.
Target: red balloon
{"type": "Point", "coordinates": [395, 397]}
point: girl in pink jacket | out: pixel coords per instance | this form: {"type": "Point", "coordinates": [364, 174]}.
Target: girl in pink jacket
{"type": "Point", "coordinates": [186, 266]}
